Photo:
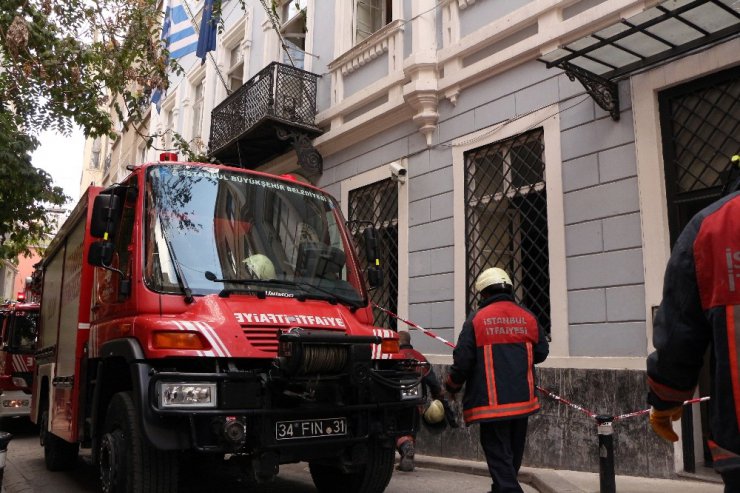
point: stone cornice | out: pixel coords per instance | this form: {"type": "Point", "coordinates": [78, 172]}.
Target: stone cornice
{"type": "Point", "coordinates": [367, 50]}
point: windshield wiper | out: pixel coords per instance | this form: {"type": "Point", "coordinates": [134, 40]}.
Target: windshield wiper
{"type": "Point", "coordinates": [325, 295]}
{"type": "Point", "coordinates": [225, 292]}
{"type": "Point", "coordinates": [178, 269]}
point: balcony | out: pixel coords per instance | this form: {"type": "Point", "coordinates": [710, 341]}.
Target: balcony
{"type": "Point", "coordinates": [273, 110]}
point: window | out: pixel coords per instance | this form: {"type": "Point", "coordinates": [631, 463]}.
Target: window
{"type": "Point", "coordinates": [236, 68]}
{"type": "Point", "coordinates": [142, 154]}
{"type": "Point", "coordinates": [293, 30]}
{"type": "Point", "coordinates": [196, 138]}
{"type": "Point", "coordinates": [377, 204]}
{"type": "Point", "coordinates": [371, 15]}
{"type": "Point", "coordinates": [506, 218]}
{"type": "Point", "coordinates": [169, 129]}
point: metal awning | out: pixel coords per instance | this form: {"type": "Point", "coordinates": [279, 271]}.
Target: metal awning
{"type": "Point", "coordinates": [665, 31]}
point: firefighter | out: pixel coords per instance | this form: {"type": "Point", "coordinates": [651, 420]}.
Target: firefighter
{"type": "Point", "coordinates": [701, 306]}
{"type": "Point", "coordinates": [430, 386]}
{"type": "Point", "coordinates": [495, 356]}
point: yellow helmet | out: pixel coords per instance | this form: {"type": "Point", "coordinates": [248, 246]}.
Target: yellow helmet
{"type": "Point", "coordinates": [491, 277]}
{"type": "Point", "coordinates": [260, 266]}
{"type": "Point", "coordinates": [435, 413]}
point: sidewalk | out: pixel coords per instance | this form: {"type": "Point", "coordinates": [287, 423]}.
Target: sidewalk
{"type": "Point", "coordinates": [565, 481]}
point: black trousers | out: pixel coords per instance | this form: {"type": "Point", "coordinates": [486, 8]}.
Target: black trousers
{"type": "Point", "coordinates": [732, 481]}
{"type": "Point", "coordinates": [503, 444]}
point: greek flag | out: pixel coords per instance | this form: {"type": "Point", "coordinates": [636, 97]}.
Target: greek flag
{"type": "Point", "coordinates": [179, 36]}
{"type": "Point", "coordinates": [178, 31]}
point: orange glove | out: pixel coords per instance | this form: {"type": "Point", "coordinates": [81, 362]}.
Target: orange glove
{"type": "Point", "coordinates": [661, 422]}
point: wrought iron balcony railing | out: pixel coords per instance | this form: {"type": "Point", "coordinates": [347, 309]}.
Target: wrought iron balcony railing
{"type": "Point", "coordinates": [246, 127]}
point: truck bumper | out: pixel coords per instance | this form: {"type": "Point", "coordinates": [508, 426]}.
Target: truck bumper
{"type": "Point", "coordinates": [14, 403]}
{"type": "Point", "coordinates": [248, 417]}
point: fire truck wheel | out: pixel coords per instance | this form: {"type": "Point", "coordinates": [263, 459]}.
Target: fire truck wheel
{"type": "Point", "coordinates": [59, 454]}
{"type": "Point", "coordinates": [373, 477]}
{"type": "Point", "coordinates": [128, 462]}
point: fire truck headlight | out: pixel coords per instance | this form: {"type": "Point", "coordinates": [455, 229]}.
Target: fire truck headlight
{"type": "Point", "coordinates": [19, 382]}
{"type": "Point", "coordinates": [186, 394]}
{"type": "Point", "coordinates": [409, 392]}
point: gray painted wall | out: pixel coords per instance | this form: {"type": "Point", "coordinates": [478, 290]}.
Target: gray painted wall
{"type": "Point", "coordinates": [366, 75]}
{"type": "Point", "coordinates": [323, 48]}
{"type": "Point", "coordinates": [482, 13]}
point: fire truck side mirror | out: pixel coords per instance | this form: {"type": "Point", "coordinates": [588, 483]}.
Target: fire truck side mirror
{"type": "Point", "coordinates": [106, 215]}
{"type": "Point", "coordinates": [100, 254]}
{"type": "Point", "coordinates": [374, 272]}
{"type": "Point", "coordinates": [370, 237]}
{"type": "Point", "coordinates": [374, 277]}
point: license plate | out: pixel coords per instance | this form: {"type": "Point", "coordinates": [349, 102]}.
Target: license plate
{"type": "Point", "coordinates": [310, 428]}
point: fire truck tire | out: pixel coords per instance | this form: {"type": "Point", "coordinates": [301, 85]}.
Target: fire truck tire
{"type": "Point", "coordinates": [128, 462]}
{"type": "Point", "coordinates": [371, 478]}
{"type": "Point", "coordinates": [59, 454]}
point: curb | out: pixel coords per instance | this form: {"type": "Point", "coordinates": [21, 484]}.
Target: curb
{"type": "Point", "coordinates": [542, 481]}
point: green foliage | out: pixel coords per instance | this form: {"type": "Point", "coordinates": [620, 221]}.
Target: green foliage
{"type": "Point", "coordinates": [65, 64]}
{"type": "Point", "coordinates": [25, 192]}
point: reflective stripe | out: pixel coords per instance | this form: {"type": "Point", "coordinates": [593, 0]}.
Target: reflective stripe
{"type": "Point", "coordinates": [669, 394]}
{"type": "Point", "coordinates": [733, 313]}
{"type": "Point", "coordinates": [490, 376]}
{"type": "Point", "coordinates": [530, 375]}
{"type": "Point", "coordinates": [500, 411]}
{"type": "Point", "coordinates": [723, 460]}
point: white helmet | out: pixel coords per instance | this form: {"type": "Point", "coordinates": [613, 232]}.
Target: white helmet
{"type": "Point", "coordinates": [435, 413]}
{"type": "Point", "coordinates": [260, 266]}
{"type": "Point", "coordinates": [491, 277]}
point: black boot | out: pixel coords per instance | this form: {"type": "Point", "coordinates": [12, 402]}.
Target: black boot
{"type": "Point", "coordinates": [407, 457]}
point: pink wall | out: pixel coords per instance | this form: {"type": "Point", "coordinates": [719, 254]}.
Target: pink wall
{"type": "Point", "coordinates": [25, 269]}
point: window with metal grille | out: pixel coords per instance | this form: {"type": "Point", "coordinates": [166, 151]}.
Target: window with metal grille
{"type": "Point", "coordinates": [506, 219]}
{"type": "Point", "coordinates": [700, 125]}
{"type": "Point", "coordinates": [377, 204]}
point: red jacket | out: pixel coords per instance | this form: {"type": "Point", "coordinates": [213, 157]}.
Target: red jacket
{"type": "Point", "coordinates": [495, 355]}
{"type": "Point", "coordinates": [701, 304]}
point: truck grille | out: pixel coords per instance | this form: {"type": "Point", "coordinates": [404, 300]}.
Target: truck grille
{"type": "Point", "coordinates": [263, 338]}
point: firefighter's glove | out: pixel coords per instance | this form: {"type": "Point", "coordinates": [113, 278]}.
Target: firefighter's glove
{"type": "Point", "coordinates": [451, 387]}
{"type": "Point", "coordinates": [450, 414]}
{"type": "Point", "coordinates": [661, 422]}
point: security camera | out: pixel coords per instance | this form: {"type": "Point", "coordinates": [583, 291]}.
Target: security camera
{"type": "Point", "coordinates": [398, 172]}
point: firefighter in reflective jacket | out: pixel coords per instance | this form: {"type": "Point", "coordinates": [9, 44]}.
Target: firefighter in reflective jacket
{"type": "Point", "coordinates": [701, 305]}
{"type": "Point", "coordinates": [495, 356]}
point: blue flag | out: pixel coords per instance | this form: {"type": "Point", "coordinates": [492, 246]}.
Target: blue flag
{"type": "Point", "coordinates": [208, 27]}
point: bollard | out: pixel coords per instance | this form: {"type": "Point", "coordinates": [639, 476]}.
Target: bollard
{"type": "Point", "coordinates": [607, 482]}
{"type": "Point", "coordinates": [5, 439]}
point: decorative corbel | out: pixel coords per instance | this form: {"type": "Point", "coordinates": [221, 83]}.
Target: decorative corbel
{"type": "Point", "coordinates": [309, 158]}
{"type": "Point", "coordinates": [421, 94]}
{"type": "Point", "coordinates": [603, 91]}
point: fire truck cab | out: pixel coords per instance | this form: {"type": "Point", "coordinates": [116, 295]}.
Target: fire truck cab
{"type": "Point", "coordinates": [18, 335]}
{"type": "Point", "coordinates": [216, 312]}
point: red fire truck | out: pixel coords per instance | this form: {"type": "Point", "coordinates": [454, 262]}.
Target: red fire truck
{"type": "Point", "coordinates": [202, 309]}
{"type": "Point", "coordinates": [18, 333]}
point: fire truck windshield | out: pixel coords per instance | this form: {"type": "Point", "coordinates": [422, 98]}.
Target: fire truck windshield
{"type": "Point", "coordinates": [239, 227]}
{"type": "Point", "coordinates": [23, 332]}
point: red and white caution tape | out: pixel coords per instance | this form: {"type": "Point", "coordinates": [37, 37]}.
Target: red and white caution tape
{"type": "Point", "coordinates": [647, 411]}
{"type": "Point", "coordinates": [412, 324]}
{"type": "Point", "coordinates": [548, 393]}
